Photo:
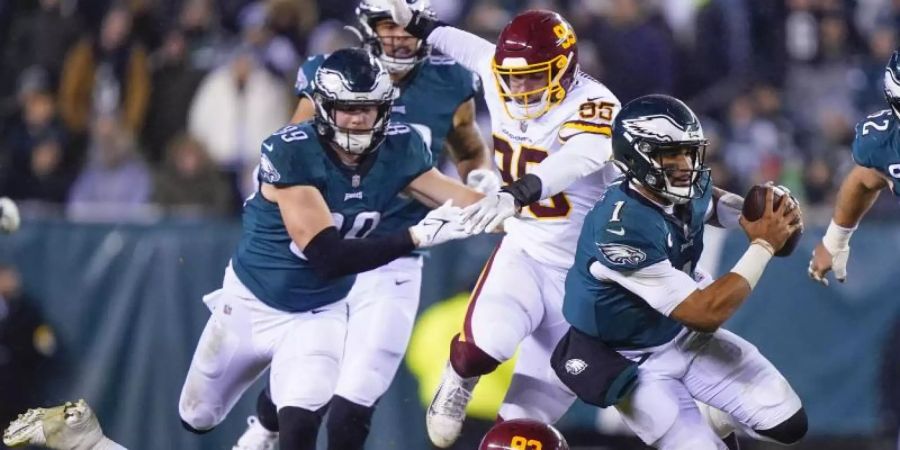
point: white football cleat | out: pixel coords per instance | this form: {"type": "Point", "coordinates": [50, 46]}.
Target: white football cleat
{"type": "Point", "coordinates": [447, 412]}
{"type": "Point", "coordinates": [71, 426]}
{"type": "Point", "coordinates": [256, 437]}
{"type": "Point", "coordinates": [26, 429]}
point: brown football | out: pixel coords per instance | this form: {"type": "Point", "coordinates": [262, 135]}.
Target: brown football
{"type": "Point", "coordinates": [755, 202]}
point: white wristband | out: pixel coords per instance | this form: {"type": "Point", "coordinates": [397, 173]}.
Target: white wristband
{"type": "Point", "coordinates": [753, 263]}
{"type": "Point", "coordinates": [837, 238]}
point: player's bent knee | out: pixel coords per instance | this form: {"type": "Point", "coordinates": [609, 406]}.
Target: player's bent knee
{"type": "Point", "coordinates": [470, 361]}
{"type": "Point", "coordinates": [198, 417]}
{"type": "Point", "coordinates": [348, 424]}
{"type": "Point", "coordinates": [790, 431]}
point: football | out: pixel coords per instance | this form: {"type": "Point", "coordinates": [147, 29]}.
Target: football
{"type": "Point", "coordinates": [755, 202]}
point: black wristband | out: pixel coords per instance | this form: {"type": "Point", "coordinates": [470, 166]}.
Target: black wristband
{"type": "Point", "coordinates": [525, 190]}
{"type": "Point", "coordinates": [421, 25]}
{"type": "Point", "coordinates": [332, 256]}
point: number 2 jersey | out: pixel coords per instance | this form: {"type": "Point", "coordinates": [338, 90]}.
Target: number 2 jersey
{"type": "Point", "coordinates": [549, 229]}
{"type": "Point", "coordinates": [267, 261]}
{"type": "Point", "coordinates": [877, 146]}
{"type": "Point", "coordinates": [429, 96]}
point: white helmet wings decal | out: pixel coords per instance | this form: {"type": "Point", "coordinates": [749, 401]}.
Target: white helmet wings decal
{"type": "Point", "coordinates": [660, 127]}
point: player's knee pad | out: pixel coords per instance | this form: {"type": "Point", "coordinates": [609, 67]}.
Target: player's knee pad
{"type": "Point", "coordinates": [790, 431]}
{"type": "Point", "coordinates": [197, 416]}
{"type": "Point", "coordinates": [470, 361]}
{"type": "Point", "coordinates": [299, 428]}
{"type": "Point", "coordinates": [348, 424]}
{"type": "Point", "coordinates": [266, 411]}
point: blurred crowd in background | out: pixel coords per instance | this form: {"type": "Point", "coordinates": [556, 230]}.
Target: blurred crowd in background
{"type": "Point", "coordinates": [115, 110]}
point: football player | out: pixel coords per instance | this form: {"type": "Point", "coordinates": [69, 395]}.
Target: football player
{"type": "Point", "coordinates": [876, 152]}
{"type": "Point", "coordinates": [324, 185]}
{"type": "Point", "coordinates": [646, 333]}
{"type": "Point", "coordinates": [70, 426]}
{"type": "Point", "coordinates": [436, 98]}
{"type": "Point", "coordinates": [551, 135]}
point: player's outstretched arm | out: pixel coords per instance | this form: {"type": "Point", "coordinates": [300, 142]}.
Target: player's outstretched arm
{"type": "Point", "coordinates": [308, 222]}
{"type": "Point", "coordinates": [433, 189]}
{"type": "Point", "coordinates": [707, 309]}
{"type": "Point", "coordinates": [858, 192]}
{"type": "Point", "coordinates": [468, 150]}
{"type": "Point", "coordinates": [473, 52]}
{"type": "Point", "coordinates": [726, 209]}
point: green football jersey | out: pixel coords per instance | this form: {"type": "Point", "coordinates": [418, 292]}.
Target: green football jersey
{"type": "Point", "coordinates": [267, 261]}
{"type": "Point", "coordinates": [429, 96]}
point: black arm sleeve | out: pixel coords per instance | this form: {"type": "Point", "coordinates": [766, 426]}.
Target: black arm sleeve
{"type": "Point", "coordinates": [421, 25]}
{"type": "Point", "coordinates": [525, 190]}
{"type": "Point", "coordinates": [332, 257]}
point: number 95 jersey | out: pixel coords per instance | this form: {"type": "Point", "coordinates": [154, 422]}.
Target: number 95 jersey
{"type": "Point", "coordinates": [548, 230]}
{"type": "Point", "coordinates": [877, 146]}
{"type": "Point", "coordinates": [267, 261]}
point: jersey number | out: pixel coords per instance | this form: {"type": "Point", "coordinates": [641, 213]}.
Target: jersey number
{"type": "Point", "coordinates": [880, 125]}
{"type": "Point", "coordinates": [523, 443]}
{"type": "Point", "coordinates": [556, 206]}
{"type": "Point", "coordinates": [291, 133]}
{"type": "Point", "coordinates": [617, 211]}
{"type": "Point", "coordinates": [363, 224]}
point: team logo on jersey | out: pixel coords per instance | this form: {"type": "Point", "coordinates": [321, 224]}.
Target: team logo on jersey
{"type": "Point", "coordinates": [660, 127]}
{"type": "Point", "coordinates": [352, 195]}
{"type": "Point", "coordinates": [575, 366]}
{"type": "Point", "coordinates": [621, 254]}
{"type": "Point", "coordinates": [267, 170]}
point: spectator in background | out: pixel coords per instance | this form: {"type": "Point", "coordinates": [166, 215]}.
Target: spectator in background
{"type": "Point", "coordinates": [189, 183]}
{"type": "Point", "coordinates": [44, 176]}
{"type": "Point", "coordinates": [175, 81]}
{"type": "Point", "coordinates": [25, 343]}
{"type": "Point", "coordinates": [236, 107]}
{"type": "Point", "coordinates": [636, 50]}
{"type": "Point", "coordinates": [115, 184]}
{"type": "Point", "coordinates": [41, 38]}
{"type": "Point", "coordinates": [882, 42]}
{"type": "Point", "coordinates": [204, 38]}
{"type": "Point", "coordinates": [106, 75]}
{"type": "Point", "coordinates": [293, 20]}
{"type": "Point", "coordinates": [275, 52]}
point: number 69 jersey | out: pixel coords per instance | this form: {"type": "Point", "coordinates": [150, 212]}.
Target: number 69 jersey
{"type": "Point", "coordinates": [877, 146]}
{"type": "Point", "coordinates": [549, 229]}
{"type": "Point", "coordinates": [267, 262]}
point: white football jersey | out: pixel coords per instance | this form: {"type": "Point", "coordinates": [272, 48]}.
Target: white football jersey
{"type": "Point", "coordinates": [548, 230]}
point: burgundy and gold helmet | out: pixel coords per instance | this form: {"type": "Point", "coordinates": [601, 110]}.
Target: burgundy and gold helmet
{"type": "Point", "coordinates": [523, 434]}
{"type": "Point", "coordinates": [535, 42]}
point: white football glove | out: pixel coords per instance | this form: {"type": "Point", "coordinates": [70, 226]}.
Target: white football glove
{"type": "Point", "coordinates": [9, 216]}
{"type": "Point", "coordinates": [400, 12]}
{"type": "Point", "coordinates": [489, 213]}
{"type": "Point", "coordinates": [484, 181]}
{"type": "Point", "coordinates": [439, 225]}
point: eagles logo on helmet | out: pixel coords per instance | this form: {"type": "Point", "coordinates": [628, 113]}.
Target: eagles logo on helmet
{"type": "Point", "coordinates": [523, 434]}
{"type": "Point", "coordinates": [535, 43]}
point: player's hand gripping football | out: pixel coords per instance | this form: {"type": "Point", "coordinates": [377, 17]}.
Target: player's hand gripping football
{"type": "Point", "coordinates": [489, 213]}
{"type": "Point", "coordinates": [825, 259]}
{"type": "Point", "coordinates": [776, 224]}
{"type": "Point", "coordinates": [484, 181]}
{"type": "Point", "coordinates": [441, 225]}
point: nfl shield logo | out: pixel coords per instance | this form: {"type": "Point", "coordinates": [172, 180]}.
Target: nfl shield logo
{"type": "Point", "coordinates": [355, 181]}
{"type": "Point", "coordinates": [523, 125]}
